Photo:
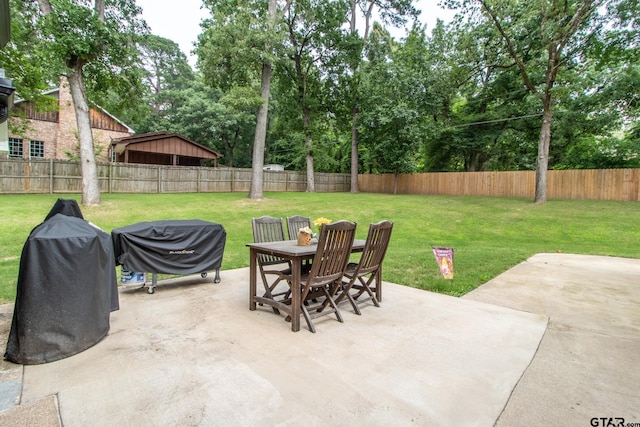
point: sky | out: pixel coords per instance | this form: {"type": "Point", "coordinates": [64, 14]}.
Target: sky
{"type": "Point", "coordinates": [182, 23]}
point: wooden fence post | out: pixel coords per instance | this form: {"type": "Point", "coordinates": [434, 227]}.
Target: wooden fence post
{"type": "Point", "coordinates": [233, 182]}
{"type": "Point", "coordinates": [50, 176]}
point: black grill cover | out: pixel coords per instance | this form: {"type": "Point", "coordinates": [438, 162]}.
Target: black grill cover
{"type": "Point", "coordinates": [170, 247]}
{"type": "Point", "coordinates": [67, 207]}
{"type": "Point", "coordinates": [67, 288]}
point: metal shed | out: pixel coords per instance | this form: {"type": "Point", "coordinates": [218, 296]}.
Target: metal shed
{"type": "Point", "coordinates": [162, 148]}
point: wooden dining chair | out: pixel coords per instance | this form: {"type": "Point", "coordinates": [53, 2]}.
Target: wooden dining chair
{"type": "Point", "coordinates": [327, 269]}
{"type": "Point", "coordinates": [273, 270]}
{"type": "Point", "coordinates": [295, 223]}
{"type": "Point", "coordinates": [362, 280]}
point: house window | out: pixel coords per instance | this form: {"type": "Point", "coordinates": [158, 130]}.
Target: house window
{"type": "Point", "coordinates": [15, 147]}
{"type": "Point", "coordinates": [36, 149]}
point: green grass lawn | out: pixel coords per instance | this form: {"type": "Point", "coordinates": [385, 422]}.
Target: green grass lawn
{"type": "Point", "coordinates": [489, 235]}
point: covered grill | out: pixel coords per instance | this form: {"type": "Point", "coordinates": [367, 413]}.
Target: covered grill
{"type": "Point", "coordinates": [170, 247]}
{"type": "Point", "coordinates": [67, 288]}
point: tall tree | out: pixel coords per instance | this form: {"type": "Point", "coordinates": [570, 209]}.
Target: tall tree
{"type": "Point", "coordinates": [165, 76]}
{"type": "Point", "coordinates": [561, 28]}
{"type": "Point", "coordinates": [158, 80]}
{"type": "Point", "coordinates": [397, 102]}
{"type": "Point", "coordinates": [239, 43]}
{"type": "Point", "coordinates": [166, 68]}
{"type": "Point", "coordinates": [257, 164]}
{"type": "Point", "coordinates": [93, 38]}
{"type": "Point", "coordinates": [493, 120]}
{"type": "Point", "coordinates": [224, 122]}
{"type": "Point", "coordinates": [394, 12]}
{"type": "Point", "coordinates": [483, 112]}
{"type": "Point", "coordinates": [314, 37]}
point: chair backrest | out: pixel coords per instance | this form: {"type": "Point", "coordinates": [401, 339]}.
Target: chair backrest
{"type": "Point", "coordinates": [295, 223]}
{"type": "Point", "coordinates": [267, 229]}
{"type": "Point", "coordinates": [375, 247]}
{"type": "Point", "coordinates": [332, 254]}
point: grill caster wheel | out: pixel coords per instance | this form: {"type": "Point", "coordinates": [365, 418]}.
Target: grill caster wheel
{"type": "Point", "coordinates": [150, 290]}
{"type": "Point", "coordinates": [203, 275]}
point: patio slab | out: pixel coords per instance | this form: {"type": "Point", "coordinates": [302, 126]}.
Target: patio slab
{"type": "Point", "coordinates": [194, 354]}
{"type": "Point", "coordinates": [587, 364]}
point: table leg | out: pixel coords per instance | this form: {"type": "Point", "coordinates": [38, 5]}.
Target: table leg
{"type": "Point", "coordinates": [252, 278]}
{"type": "Point", "coordinates": [296, 264]}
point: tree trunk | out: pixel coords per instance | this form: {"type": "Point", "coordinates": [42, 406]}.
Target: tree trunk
{"type": "Point", "coordinates": [354, 150]}
{"type": "Point", "coordinates": [257, 164]}
{"type": "Point", "coordinates": [354, 111]}
{"type": "Point", "coordinates": [542, 163]}
{"type": "Point", "coordinates": [396, 175]}
{"type": "Point", "coordinates": [90, 187]}
{"type": "Point", "coordinates": [308, 143]}
{"type": "Point", "coordinates": [356, 78]}
{"type": "Point", "coordinates": [311, 181]}
{"type": "Point", "coordinates": [473, 157]}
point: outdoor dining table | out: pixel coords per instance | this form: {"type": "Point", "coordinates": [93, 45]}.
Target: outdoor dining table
{"type": "Point", "coordinates": [288, 250]}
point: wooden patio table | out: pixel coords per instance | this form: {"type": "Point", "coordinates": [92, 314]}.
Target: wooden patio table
{"type": "Point", "coordinates": [288, 250]}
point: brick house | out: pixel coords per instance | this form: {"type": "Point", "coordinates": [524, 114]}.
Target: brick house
{"type": "Point", "coordinates": [54, 135]}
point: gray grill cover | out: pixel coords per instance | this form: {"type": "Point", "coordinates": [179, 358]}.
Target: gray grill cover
{"type": "Point", "coordinates": [170, 247]}
{"type": "Point", "coordinates": [67, 287]}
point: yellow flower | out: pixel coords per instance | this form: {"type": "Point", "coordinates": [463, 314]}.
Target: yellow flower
{"type": "Point", "coordinates": [319, 222]}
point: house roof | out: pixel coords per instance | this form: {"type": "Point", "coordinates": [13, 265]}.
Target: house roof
{"type": "Point", "coordinates": [112, 116]}
{"type": "Point", "coordinates": [55, 93]}
{"type": "Point", "coordinates": [161, 142]}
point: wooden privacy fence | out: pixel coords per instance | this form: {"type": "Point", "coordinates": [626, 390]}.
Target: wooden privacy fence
{"type": "Point", "coordinates": [591, 184]}
{"type": "Point", "coordinates": [63, 176]}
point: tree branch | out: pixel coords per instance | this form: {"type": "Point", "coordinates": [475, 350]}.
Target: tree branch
{"type": "Point", "coordinates": [45, 6]}
{"type": "Point", "coordinates": [511, 48]}
{"type": "Point", "coordinates": [99, 9]}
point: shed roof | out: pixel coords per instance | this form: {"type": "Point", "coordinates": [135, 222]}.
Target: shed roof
{"type": "Point", "coordinates": [164, 143]}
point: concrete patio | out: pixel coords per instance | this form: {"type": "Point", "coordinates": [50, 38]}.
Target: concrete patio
{"type": "Point", "coordinates": [553, 341]}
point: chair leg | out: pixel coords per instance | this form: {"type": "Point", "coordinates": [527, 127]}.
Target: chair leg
{"type": "Point", "coordinates": [370, 296]}
{"type": "Point", "coordinates": [333, 304]}
{"type": "Point", "coordinates": [366, 287]}
{"type": "Point", "coordinates": [345, 292]}
{"type": "Point", "coordinates": [319, 309]}
{"type": "Point", "coordinates": [354, 305]}
{"type": "Point", "coordinates": [307, 317]}
{"type": "Point", "coordinates": [333, 290]}
{"type": "Point", "coordinates": [360, 288]}
{"type": "Point", "coordinates": [268, 289]}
